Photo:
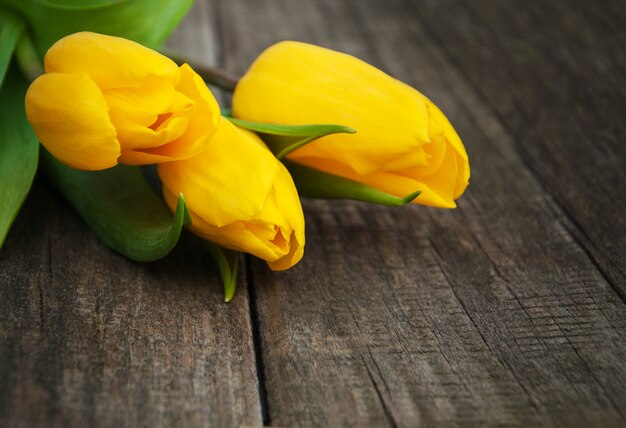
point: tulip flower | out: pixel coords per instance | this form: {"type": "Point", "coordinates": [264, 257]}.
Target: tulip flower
{"type": "Point", "coordinates": [105, 100]}
{"type": "Point", "coordinates": [240, 197]}
{"type": "Point", "coordinates": [403, 142]}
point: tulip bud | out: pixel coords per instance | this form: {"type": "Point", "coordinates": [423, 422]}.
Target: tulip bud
{"type": "Point", "coordinates": [240, 197]}
{"type": "Point", "coordinates": [105, 100]}
{"type": "Point", "coordinates": [403, 142]}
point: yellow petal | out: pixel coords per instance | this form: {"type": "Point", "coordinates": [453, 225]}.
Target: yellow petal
{"type": "Point", "coordinates": [240, 197]}
{"type": "Point", "coordinates": [201, 125]}
{"type": "Point", "coordinates": [69, 116]}
{"type": "Point", "coordinates": [287, 199]}
{"type": "Point", "coordinates": [112, 62]}
{"type": "Point", "coordinates": [296, 83]}
{"type": "Point", "coordinates": [228, 182]}
{"type": "Point", "coordinates": [403, 141]}
{"type": "Point", "coordinates": [439, 120]}
{"type": "Point", "coordinates": [142, 104]}
{"type": "Point", "coordinates": [239, 236]}
{"type": "Point", "coordinates": [149, 116]}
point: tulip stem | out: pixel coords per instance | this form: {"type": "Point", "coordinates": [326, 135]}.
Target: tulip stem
{"type": "Point", "coordinates": [215, 76]}
{"type": "Point", "coordinates": [211, 75]}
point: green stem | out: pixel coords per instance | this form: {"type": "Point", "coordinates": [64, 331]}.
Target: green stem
{"type": "Point", "coordinates": [212, 75]}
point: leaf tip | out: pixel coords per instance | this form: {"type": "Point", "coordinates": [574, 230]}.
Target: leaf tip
{"type": "Point", "coordinates": [183, 209]}
{"type": "Point", "coordinates": [410, 197]}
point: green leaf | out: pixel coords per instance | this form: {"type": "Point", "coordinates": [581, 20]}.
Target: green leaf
{"type": "Point", "coordinates": [284, 139]}
{"type": "Point", "coordinates": [120, 207]}
{"type": "Point", "coordinates": [227, 262]}
{"type": "Point", "coordinates": [148, 22]}
{"type": "Point", "coordinates": [11, 28]}
{"type": "Point", "coordinates": [27, 58]}
{"type": "Point", "coordinates": [19, 150]}
{"type": "Point", "coordinates": [317, 184]}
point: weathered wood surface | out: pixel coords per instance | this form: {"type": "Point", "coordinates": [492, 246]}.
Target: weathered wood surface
{"type": "Point", "coordinates": [553, 73]}
{"type": "Point", "coordinates": [91, 339]}
{"type": "Point", "coordinates": [506, 311]}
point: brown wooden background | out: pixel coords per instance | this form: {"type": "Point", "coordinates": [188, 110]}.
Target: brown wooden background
{"type": "Point", "coordinates": [508, 311]}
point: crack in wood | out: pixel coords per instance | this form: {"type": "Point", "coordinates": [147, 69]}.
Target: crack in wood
{"type": "Point", "coordinates": [257, 341]}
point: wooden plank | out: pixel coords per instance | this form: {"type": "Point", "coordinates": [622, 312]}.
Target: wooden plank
{"type": "Point", "coordinates": [554, 74]}
{"type": "Point", "coordinates": [88, 338]}
{"type": "Point", "coordinates": [488, 315]}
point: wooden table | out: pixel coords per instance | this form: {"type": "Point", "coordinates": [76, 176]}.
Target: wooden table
{"type": "Point", "coordinates": [508, 311]}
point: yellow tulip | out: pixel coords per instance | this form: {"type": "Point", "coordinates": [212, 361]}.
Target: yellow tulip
{"type": "Point", "coordinates": [403, 141]}
{"type": "Point", "coordinates": [240, 196]}
{"type": "Point", "coordinates": [105, 100]}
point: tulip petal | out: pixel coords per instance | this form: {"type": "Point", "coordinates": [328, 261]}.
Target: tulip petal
{"type": "Point", "coordinates": [231, 181]}
{"type": "Point", "coordinates": [437, 188]}
{"type": "Point", "coordinates": [237, 236]}
{"type": "Point", "coordinates": [295, 83]}
{"type": "Point", "coordinates": [438, 119]}
{"type": "Point", "coordinates": [287, 199]}
{"type": "Point", "coordinates": [240, 197]}
{"type": "Point", "coordinates": [202, 124]}
{"type": "Point", "coordinates": [149, 116]}
{"type": "Point", "coordinates": [430, 194]}
{"type": "Point", "coordinates": [70, 116]}
{"type": "Point", "coordinates": [112, 62]}
{"type": "Point", "coordinates": [142, 104]}
{"type": "Point", "coordinates": [403, 143]}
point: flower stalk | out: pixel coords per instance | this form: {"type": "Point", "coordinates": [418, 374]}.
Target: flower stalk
{"type": "Point", "coordinates": [211, 75]}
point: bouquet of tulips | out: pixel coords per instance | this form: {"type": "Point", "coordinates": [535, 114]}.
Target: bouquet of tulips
{"type": "Point", "coordinates": [304, 121]}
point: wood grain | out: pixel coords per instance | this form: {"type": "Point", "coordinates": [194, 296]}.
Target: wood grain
{"type": "Point", "coordinates": [88, 338]}
{"type": "Point", "coordinates": [489, 315]}
{"type": "Point", "coordinates": [553, 73]}
{"type": "Point", "coordinates": [507, 311]}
